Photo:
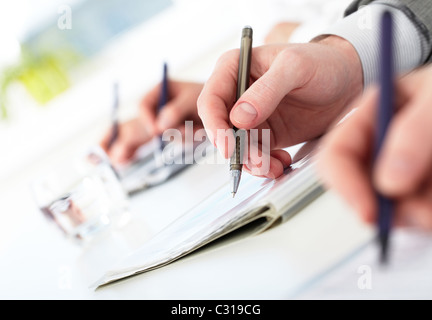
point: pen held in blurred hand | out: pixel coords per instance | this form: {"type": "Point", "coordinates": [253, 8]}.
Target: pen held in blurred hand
{"type": "Point", "coordinates": [163, 97]}
{"type": "Point", "coordinates": [236, 162]}
{"type": "Point", "coordinates": [114, 117]}
{"type": "Point", "coordinates": [385, 113]}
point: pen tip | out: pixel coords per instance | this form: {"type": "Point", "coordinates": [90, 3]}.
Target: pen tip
{"type": "Point", "coordinates": [384, 241]}
{"type": "Point", "coordinates": [235, 181]}
{"type": "Point", "coordinates": [384, 256]}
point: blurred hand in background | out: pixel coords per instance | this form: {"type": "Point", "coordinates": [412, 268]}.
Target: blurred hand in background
{"type": "Point", "coordinates": [148, 124]}
{"type": "Point", "coordinates": [404, 165]}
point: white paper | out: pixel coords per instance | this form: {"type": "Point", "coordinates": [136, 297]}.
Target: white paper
{"type": "Point", "coordinates": [408, 274]}
{"type": "Point", "coordinates": [218, 215]}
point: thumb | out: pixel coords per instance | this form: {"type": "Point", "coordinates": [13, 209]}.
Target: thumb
{"type": "Point", "coordinates": [265, 94]}
{"type": "Point", "coordinates": [172, 114]}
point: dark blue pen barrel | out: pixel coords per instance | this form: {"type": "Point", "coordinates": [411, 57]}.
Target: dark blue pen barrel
{"type": "Point", "coordinates": [384, 116]}
{"type": "Point", "coordinates": [114, 120]}
{"type": "Point", "coordinates": [164, 97]}
{"type": "Point", "coordinates": [164, 88]}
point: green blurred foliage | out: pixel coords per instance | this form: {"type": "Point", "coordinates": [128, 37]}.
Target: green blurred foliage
{"type": "Point", "coordinates": [43, 75]}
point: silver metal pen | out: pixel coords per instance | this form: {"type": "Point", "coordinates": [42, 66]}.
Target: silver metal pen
{"type": "Point", "coordinates": [236, 162]}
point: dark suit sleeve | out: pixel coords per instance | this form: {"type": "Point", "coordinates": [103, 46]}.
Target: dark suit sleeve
{"type": "Point", "coordinates": [355, 5]}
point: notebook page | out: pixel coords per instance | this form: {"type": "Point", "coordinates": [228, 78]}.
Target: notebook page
{"type": "Point", "coordinates": [360, 276]}
{"type": "Point", "coordinates": [194, 227]}
{"type": "Point", "coordinates": [200, 224]}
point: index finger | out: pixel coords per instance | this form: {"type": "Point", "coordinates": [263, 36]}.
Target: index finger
{"type": "Point", "coordinates": [103, 143]}
{"type": "Point", "coordinates": [345, 157]}
{"type": "Point", "coordinates": [148, 105]}
{"type": "Point", "coordinates": [218, 97]}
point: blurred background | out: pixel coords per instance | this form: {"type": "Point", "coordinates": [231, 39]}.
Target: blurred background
{"type": "Point", "coordinates": [60, 58]}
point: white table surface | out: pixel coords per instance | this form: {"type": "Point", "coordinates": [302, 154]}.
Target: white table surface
{"type": "Point", "coordinates": [40, 263]}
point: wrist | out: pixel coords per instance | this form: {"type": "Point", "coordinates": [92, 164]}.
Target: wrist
{"type": "Point", "coordinates": [410, 49]}
{"type": "Point", "coordinates": [348, 56]}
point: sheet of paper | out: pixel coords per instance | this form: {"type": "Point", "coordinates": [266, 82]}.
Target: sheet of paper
{"type": "Point", "coordinates": [208, 220]}
{"type": "Point", "coordinates": [154, 165]}
{"type": "Point", "coordinates": [192, 228]}
{"type": "Point", "coordinates": [360, 276]}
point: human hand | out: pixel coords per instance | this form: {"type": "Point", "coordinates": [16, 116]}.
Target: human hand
{"type": "Point", "coordinates": [181, 106]}
{"type": "Point", "coordinates": [296, 91]}
{"type": "Point", "coordinates": [403, 168]}
{"type": "Point", "coordinates": [281, 32]}
{"type": "Point", "coordinates": [131, 135]}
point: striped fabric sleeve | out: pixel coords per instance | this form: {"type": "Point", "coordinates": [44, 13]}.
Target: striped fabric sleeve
{"type": "Point", "coordinates": [362, 30]}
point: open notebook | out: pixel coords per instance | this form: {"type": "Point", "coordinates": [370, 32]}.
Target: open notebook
{"type": "Point", "coordinates": [260, 205]}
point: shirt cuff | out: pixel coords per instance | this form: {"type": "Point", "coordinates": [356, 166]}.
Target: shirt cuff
{"type": "Point", "coordinates": [362, 30]}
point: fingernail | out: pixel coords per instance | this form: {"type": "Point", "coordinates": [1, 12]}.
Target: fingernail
{"type": "Point", "coordinates": [244, 113]}
{"type": "Point", "coordinates": [271, 175]}
{"type": "Point", "coordinates": [211, 138]}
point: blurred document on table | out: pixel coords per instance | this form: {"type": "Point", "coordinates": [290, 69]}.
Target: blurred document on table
{"type": "Point", "coordinates": [261, 205]}
{"type": "Point", "coordinates": [153, 166]}
{"type": "Point", "coordinates": [361, 276]}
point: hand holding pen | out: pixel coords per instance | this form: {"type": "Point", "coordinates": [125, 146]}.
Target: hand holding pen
{"type": "Point", "coordinates": [402, 170]}
{"type": "Point", "coordinates": [289, 95]}
{"type": "Point", "coordinates": [122, 139]}
{"type": "Point", "coordinates": [150, 122]}
{"type": "Point", "coordinates": [384, 116]}
{"type": "Point", "coordinates": [157, 116]}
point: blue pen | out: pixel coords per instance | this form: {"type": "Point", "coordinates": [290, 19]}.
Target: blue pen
{"type": "Point", "coordinates": [115, 121]}
{"type": "Point", "coordinates": [164, 96]}
{"type": "Point", "coordinates": [385, 113]}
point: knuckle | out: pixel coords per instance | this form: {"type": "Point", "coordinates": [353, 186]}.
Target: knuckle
{"type": "Point", "coordinates": [292, 56]}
